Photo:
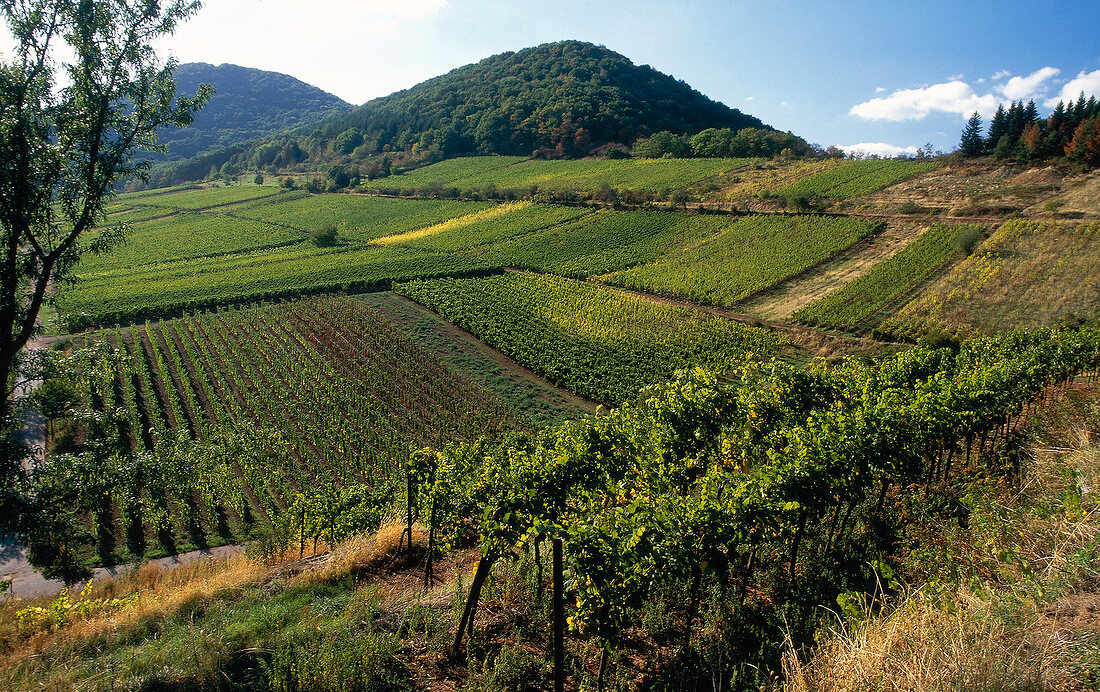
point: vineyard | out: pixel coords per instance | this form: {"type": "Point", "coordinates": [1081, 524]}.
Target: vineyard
{"type": "Point", "coordinates": [592, 340]}
{"type": "Point", "coordinates": [851, 306]}
{"type": "Point", "coordinates": [751, 255]}
{"type": "Point", "coordinates": [514, 173]}
{"type": "Point", "coordinates": [130, 294]}
{"type": "Point", "coordinates": [359, 219]}
{"type": "Point", "coordinates": [779, 491]}
{"type": "Point", "coordinates": [225, 418]}
{"type": "Point", "coordinates": [855, 178]}
{"type": "Point", "coordinates": [604, 241]}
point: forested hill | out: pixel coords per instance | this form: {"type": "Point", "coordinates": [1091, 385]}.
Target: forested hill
{"type": "Point", "coordinates": [571, 96]}
{"type": "Point", "coordinates": [248, 103]}
{"type": "Point", "coordinates": [556, 100]}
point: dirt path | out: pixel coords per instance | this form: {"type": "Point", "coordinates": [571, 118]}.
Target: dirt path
{"type": "Point", "coordinates": [784, 300]}
{"type": "Point", "coordinates": [27, 582]}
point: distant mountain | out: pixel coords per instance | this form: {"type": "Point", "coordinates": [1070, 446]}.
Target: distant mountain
{"type": "Point", "coordinates": [559, 99]}
{"type": "Point", "coordinates": [570, 95]}
{"type": "Point", "coordinates": [247, 104]}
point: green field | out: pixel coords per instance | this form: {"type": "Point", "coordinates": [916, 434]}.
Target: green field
{"type": "Point", "coordinates": [593, 340]}
{"type": "Point", "coordinates": [852, 305]}
{"type": "Point", "coordinates": [189, 235]}
{"type": "Point", "coordinates": [359, 219]}
{"type": "Point", "coordinates": [186, 259]}
{"type": "Point", "coordinates": [515, 173]}
{"type": "Point", "coordinates": [750, 255]}
{"type": "Point", "coordinates": [855, 178]}
{"type": "Point", "coordinates": [193, 198]}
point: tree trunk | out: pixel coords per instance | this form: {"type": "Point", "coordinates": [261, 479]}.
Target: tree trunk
{"type": "Point", "coordinates": [603, 667]}
{"type": "Point", "coordinates": [797, 539]}
{"type": "Point", "coordinates": [470, 611]}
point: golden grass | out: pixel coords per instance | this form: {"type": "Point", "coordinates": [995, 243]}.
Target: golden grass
{"type": "Point", "coordinates": [360, 553]}
{"type": "Point", "coordinates": [164, 591]}
{"type": "Point", "coordinates": [1027, 274]}
{"type": "Point", "coordinates": [451, 224]}
{"type": "Point", "coordinates": [923, 647]}
{"type": "Point", "coordinates": [160, 591]}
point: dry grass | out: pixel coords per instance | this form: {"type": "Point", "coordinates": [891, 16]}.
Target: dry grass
{"type": "Point", "coordinates": [162, 591]}
{"type": "Point", "coordinates": [1028, 274]}
{"type": "Point", "coordinates": [923, 647]}
{"type": "Point", "coordinates": [363, 553]}
{"type": "Point", "coordinates": [1034, 626]}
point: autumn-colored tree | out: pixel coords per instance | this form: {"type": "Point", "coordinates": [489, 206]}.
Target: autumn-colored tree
{"type": "Point", "coordinates": [1085, 145]}
{"type": "Point", "coordinates": [1032, 138]}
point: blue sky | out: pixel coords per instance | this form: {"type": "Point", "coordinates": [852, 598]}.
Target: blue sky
{"type": "Point", "coordinates": [900, 74]}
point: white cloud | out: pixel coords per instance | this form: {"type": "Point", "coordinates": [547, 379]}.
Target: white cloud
{"type": "Point", "coordinates": [914, 104]}
{"type": "Point", "coordinates": [879, 90]}
{"type": "Point", "coordinates": [878, 149]}
{"type": "Point", "coordinates": [1088, 82]}
{"type": "Point", "coordinates": [955, 77]}
{"type": "Point", "coordinates": [1000, 74]}
{"type": "Point", "coordinates": [750, 98]}
{"type": "Point", "coordinates": [1031, 86]}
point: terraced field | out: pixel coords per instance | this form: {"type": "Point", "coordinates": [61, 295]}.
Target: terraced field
{"type": "Point", "coordinates": [593, 340]}
{"type": "Point", "coordinates": [749, 256]}
{"type": "Point", "coordinates": [515, 173]}
{"type": "Point", "coordinates": [282, 398]}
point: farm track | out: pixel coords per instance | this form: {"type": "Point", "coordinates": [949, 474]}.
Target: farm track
{"type": "Point", "coordinates": [783, 300]}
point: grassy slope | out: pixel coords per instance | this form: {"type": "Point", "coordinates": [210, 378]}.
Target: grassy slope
{"type": "Point", "coordinates": [1027, 274]}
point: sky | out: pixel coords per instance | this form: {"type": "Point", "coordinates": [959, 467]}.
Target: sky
{"type": "Point", "coordinates": [874, 76]}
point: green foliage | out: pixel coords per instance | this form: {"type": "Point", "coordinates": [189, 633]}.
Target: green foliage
{"type": "Point", "coordinates": [70, 127]}
{"type": "Point", "coordinates": [748, 142]}
{"type": "Point", "coordinates": [972, 143]}
{"type": "Point", "coordinates": [771, 485]}
{"type": "Point", "coordinates": [64, 609]}
{"type": "Point", "coordinates": [340, 662]}
{"type": "Point", "coordinates": [750, 255]}
{"type": "Point", "coordinates": [567, 96]}
{"type": "Point", "coordinates": [857, 303]}
{"type": "Point", "coordinates": [325, 236]}
{"type": "Point", "coordinates": [595, 341]}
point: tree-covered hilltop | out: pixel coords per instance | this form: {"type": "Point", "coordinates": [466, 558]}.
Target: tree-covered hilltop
{"type": "Point", "coordinates": [568, 99]}
{"type": "Point", "coordinates": [247, 104]}
{"type": "Point", "coordinates": [569, 96]}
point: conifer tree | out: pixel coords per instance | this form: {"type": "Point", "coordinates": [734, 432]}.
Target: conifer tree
{"type": "Point", "coordinates": [972, 143]}
{"type": "Point", "coordinates": [998, 126]}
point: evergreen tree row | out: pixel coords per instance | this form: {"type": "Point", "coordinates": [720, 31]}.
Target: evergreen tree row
{"type": "Point", "coordinates": [1018, 133]}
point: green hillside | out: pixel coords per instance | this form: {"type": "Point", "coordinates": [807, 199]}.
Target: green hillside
{"type": "Point", "coordinates": [247, 104]}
